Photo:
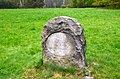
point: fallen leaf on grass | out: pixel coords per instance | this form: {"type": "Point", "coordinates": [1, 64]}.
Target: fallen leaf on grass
{"type": "Point", "coordinates": [57, 76]}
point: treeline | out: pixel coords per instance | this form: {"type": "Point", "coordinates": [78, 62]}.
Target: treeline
{"type": "Point", "coordinates": [94, 3]}
{"type": "Point", "coordinates": [21, 3]}
{"type": "Point", "coordinates": [62, 3]}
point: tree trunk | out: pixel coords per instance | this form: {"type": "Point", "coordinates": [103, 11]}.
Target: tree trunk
{"type": "Point", "coordinates": [63, 2]}
{"type": "Point", "coordinates": [21, 3]}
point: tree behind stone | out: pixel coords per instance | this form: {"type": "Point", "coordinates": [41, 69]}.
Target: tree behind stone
{"type": "Point", "coordinates": [35, 3]}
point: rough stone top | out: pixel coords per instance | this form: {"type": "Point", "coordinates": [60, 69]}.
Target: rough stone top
{"type": "Point", "coordinates": [63, 19]}
{"type": "Point", "coordinates": [64, 22]}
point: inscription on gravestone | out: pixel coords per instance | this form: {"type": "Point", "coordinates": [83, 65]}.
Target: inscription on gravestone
{"type": "Point", "coordinates": [63, 43]}
{"type": "Point", "coordinates": [60, 44]}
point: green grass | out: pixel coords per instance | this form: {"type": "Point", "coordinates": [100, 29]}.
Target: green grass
{"type": "Point", "coordinates": [20, 42]}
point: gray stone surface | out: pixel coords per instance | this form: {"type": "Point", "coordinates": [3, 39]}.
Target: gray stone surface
{"type": "Point", "coordinates": [63, 43]}
{"type": "Point", "coordinates": [60, 44]}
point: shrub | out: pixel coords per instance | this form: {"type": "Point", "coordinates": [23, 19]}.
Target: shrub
{"type": "Point", "coordinates": [63, 6]}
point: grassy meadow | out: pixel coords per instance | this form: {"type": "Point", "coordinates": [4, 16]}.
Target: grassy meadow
{"type": "Point", "coordinates": [21, 51]}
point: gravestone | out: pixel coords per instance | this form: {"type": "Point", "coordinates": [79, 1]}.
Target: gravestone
{"type": "Point", "coordinates": [63, 43]}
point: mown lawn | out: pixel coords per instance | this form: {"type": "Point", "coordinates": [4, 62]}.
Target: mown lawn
{"type": "Point", "coordinates": [20, 43]}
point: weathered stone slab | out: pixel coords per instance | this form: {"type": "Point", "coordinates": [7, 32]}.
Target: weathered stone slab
{"type": "Point", "coordinates": [60, 44]}
{"type": "Point", "coordinates": [63, 43]}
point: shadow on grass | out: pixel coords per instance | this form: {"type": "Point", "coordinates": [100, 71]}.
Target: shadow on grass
{"type": "Point", "coordinates": [53, 67]}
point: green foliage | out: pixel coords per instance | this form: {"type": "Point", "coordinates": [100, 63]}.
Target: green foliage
{"type": "Point", "coordinates": [88, 3]}
{"type": "Point", "coordinates": [24, 3]}
{"type": "Point", "coordinates": [80, 3]}
{"type": "Point", "coordinates": [107, 3]}
{"type": "Point", "coordinates": [63, 6]}
{"type": "Point", "coordinates": [95, 3]}
{"type": "Point", "coordinates": [59, 3]}
{"type": "Point", "coordinates": [74, 3]}
{"type": "Point", "coordinates": [7, 4]}
{"type": "Point", "coordinates": [34, 3]}
{"type": "Point", "coordinates": [114, 4]}
{"type": "Point", "coordinates": [21, 50]}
